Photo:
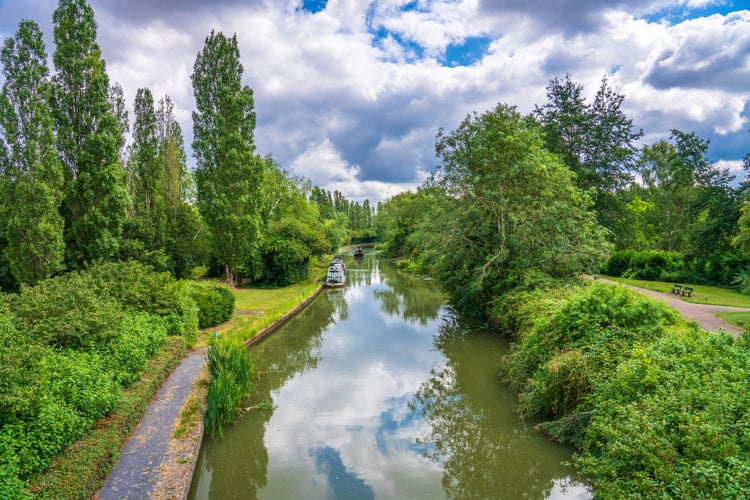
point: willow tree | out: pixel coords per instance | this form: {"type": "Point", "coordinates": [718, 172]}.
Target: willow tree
{"type": "Point", "coordinates": [228, 174]}
{"type": "Point", "coordinates": [513, 209]}
{"type": "Point", "coordinates": [30, 172]}
{"type": "Point", "coordinates": [89, 138]}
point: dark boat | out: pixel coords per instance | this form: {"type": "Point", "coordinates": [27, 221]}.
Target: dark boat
{"type": "Point", "coordinates": [358, 252]}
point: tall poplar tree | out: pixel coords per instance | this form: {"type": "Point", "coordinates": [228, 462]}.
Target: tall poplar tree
{"type": "Point", "coordinates": [30, 172]}
{"type": "Point", "coordinates": [89, 138]}
{"type": "Point", "coordinates": [228, 175]}
{"type": "Point", "coordinates": [146, 173]}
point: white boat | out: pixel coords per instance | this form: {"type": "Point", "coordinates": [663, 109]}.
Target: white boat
{"type": "Point", "coordinates": [336, 274]}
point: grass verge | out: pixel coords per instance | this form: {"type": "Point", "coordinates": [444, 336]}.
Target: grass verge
{"type": "Point", "coordinates": [81, 469]}
{"type": "Point", "coordinates": [702, 294]}
{"type": "Point", "coordinates": [256, 308]}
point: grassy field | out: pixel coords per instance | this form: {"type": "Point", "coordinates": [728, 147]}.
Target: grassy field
{"type": "Point", "coordinates": [703, 294]}
{"type": "Point", "coordinates": [256, 308]}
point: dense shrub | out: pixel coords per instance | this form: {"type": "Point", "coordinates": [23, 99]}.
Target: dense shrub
{"type": "Point", "coordinates": [645, 265]}
{"type": "Point", "coordinates": [142, 335]}
{"type": "Point", "coordinates": [81, 380]}
{"type": "Point", "coordinates": [20, 372]}
{"type": "Point", "coordinates": [67, 312]}
{"type": "Point", "coordinates": [215, 303]}
{"type": "Point", "coordinates": [618, 263]}
{"type": "Point", "coordinates": [673, 418]}
{"type": "Point", "coordinates": [556, 363]}
{"type": "Point", "coordinates": [230, 372]}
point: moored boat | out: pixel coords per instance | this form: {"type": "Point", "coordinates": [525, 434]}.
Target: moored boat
{"type": "Point", "coordinates": [336, 274]}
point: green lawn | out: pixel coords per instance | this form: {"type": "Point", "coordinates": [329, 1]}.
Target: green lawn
{"type": "Point", "coordinates": [256, 308]}
{"type": "Point", "coordinates": [702, 294]}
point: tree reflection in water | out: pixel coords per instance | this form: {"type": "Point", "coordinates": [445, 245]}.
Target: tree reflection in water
{"type": "Point", "coordinates": [473, 433]}
{"type": "Point", "coordinates": [278, 363]}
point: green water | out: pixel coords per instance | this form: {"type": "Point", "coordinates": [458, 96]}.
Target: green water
{"type": "Point", "coordinates": [380, 390]}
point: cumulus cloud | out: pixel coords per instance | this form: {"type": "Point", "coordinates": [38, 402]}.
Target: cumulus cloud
{"type": "Point", "coordinates": [364, 86]}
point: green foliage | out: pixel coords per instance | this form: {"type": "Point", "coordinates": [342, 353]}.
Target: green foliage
{"type": "Point", "coordinates": [228, 175]}
{"type": "Point", "coordinates": [81, 381]}
{"type": "Point", "coordinates": [31, 175]}
{"type": "Point", "coordinates": [230, 375]}
{"type": "Point", "coordinates": [556, 364]}
{"type": "Point", "coordinates": [67, 312]}
{"type": "Point", "coordinates": [89, 139]}
{"type": "Point", "coordinates": [215, 303]}
{"type": "Point", "coordinates": [511, 207]}
{"type": "Point", "coordinates": [142, 335]}
{"type": "Point", "coordinates": [675, 417]}
{"type": "Point", "coordinates": [20, 372]}
{"type": "Point", "coordinates": [646, 265]}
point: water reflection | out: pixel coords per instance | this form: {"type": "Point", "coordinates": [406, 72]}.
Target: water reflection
{"type": "Point", "coordinates": [379, 392]}
{"type": "Point", "coordinates": [484, 450]}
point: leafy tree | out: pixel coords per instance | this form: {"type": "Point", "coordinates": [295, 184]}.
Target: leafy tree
{"type": "Point", "coordinates": [228, 175]}
{"type": "Point", "coordinates": [30, 173]}
{"type": "Point", "coordinates": [511, 207]}
{"type": "Point", "coordinates": [89, 138]}
{"type": "Point", "coordinates": [596, 141]}
{"type": "Point", "coordinates": [147, 175]}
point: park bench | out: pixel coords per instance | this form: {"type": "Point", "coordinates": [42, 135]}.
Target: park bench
{"type": "Point", "coordinates": [677, 288]}
{"type": "Point", "coordinates": [686, 291]}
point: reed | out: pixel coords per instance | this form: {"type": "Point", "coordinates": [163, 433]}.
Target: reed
{"type": "Point", "coordinates": [230, 378]}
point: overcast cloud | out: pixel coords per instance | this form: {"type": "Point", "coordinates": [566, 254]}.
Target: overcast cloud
{"type": "Point", "coordinates": [350, 93]}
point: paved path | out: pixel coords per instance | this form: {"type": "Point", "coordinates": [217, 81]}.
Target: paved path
{"type": "Point", "coordinates": [147, 448]}
{"type": "Point", "coordinates": [703, 314]}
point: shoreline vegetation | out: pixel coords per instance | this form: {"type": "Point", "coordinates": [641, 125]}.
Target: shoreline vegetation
{"type": "Point", "coordinates": [80, 469]}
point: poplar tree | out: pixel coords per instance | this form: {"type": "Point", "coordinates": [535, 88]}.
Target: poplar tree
{"type": "Point", "coordinates": [89, 138]}
{"type": "Point", "coordinates": [228, 175]}
{"type": "Point", "coordinates": [146, 174]}
{"type": "Point", "coordinates": [30, 172]}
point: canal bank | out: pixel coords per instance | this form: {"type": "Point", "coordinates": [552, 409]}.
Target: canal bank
{"type": "Point", "coordinates": [156, 464]}
{"type": "Point", "coordinates": [381, 390]}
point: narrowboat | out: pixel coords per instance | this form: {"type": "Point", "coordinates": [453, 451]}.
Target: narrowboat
{"type": "Point", "coordinates": [336, 274]}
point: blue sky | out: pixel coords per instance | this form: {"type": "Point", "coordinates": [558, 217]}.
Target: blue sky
{"type": "Point", "coordinates": [350, 93]}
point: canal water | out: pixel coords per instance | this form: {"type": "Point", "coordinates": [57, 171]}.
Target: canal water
{"type": "Point", "coordinates": [380, 390]}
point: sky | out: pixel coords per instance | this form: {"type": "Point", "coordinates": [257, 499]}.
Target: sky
{"type": "Point", "coordinates": [350, 94]}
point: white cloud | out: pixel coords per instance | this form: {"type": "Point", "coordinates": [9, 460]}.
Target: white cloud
{"type": "Point", "coordinates": [347, 108]}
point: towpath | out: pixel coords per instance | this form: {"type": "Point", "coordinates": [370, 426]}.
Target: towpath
{"type": "Point", "coordinates": [703, 314]}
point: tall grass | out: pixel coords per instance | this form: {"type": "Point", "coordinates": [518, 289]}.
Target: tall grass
{"type": "Point", "coordinates": [230, 375]}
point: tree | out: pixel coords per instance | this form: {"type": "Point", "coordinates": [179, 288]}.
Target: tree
{"type": "Point", "coordinates": [228, 175]}
{"type": "Point", "coordinates": [512, 209]}
{"type": "Point", "coordinates": [30, 173]}
{"type": "Point", "coordinates": [147, 175]}
{"type": "Point", "coordinates": [595, 141]}
{"type": "Point", "coordinates": [89, 138]}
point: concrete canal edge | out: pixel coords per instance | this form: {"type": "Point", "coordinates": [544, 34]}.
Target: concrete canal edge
{"type": "Point", "coordinates": [177, 470]}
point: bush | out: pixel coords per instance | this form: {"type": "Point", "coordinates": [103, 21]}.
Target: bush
{"type": "Point", "coordinates": [556, 364]}
{"type": "Point", "coordinates": [215, 303]}
{"type": "Point", "coordinates": [67, 312]}
{"type": "Point", "coordinates": [20, 372]}
{"type": "Point", "coordinates": [142, 335]}
{"type": "Point", "coordinates": [673, 418]}
{"type": "Point", "coordinates": [645, 265]}
{"type": "Point", "coordinates": [81, 380]}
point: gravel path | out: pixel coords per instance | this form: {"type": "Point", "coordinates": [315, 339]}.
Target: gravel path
{"type": "Point", "coordinates": [147, 448]}
{"type": "Point", "coordinates": [703, 314]}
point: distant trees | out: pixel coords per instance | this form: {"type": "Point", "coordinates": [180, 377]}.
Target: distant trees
{"type": "Point", "coordinates": [228, 174]}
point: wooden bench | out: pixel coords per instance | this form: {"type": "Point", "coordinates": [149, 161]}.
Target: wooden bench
{"type": "Point", "coordinates": [686, 291]}
{"type": "Point", "coordinates": [677, 288]}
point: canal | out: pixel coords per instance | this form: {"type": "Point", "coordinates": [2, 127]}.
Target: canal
{"type": "Point", "coordinates": [380, 390]}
